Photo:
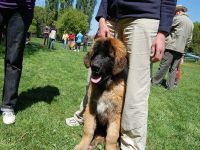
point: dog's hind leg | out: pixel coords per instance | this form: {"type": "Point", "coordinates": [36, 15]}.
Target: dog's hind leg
{"type": "Point", "coordinates": [113, 135]}
{"type": "Point", "coordinates": [89, 128]}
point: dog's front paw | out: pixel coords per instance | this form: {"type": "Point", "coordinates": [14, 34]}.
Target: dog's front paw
{"type": "Point", "coordinates": [80, 147]}
{"type": "Point", "coordinates": [77, 147]}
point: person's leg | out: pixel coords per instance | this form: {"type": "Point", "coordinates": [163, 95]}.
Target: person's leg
{"type": "Point", "coordinates": [16, 28]}
{"type": "Point", "coordinates": [86, 47]}
{"type": "Point", "coordinates": [178, 74]}
{"type": "Point", "coordinates": [83, 47]}
{"type": "Point", "coordinates": [52, 43]}
{"type": "Point", "coordinates": [172, 71]}
{"type": "Point", "coordinates": [44, 40]}
{"type": "Point", "coordinates": [163, 68]}
{"type": "Point", "coordinates": [64, 44]}
{"type": "Point", "coordinates": [77, 119]}
{"type": "Point", "coordinates": [138, 35]}
{"type": "Point", "coordinates": [49, 43]}
{"type": "Point", "coordinates": [79, 46]}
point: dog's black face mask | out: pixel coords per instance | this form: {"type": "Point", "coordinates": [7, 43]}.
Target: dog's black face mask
{"type": "Point", "coordinates": [101, 65]}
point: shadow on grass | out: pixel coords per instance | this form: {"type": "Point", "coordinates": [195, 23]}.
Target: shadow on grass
{"type": "Point", "coordinates": [33, 47]}
{"type": "Point", "coordinates": [30, 49]}
{"type": "Point", "coordinates": [34, 95]}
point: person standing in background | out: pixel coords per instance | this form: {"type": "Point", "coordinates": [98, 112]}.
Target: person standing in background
{"type": "Point", "coordinates": [64, 38]}
{"type": "Point", "coordinates": [46, 35]}
{"type": "Point", "coordinates": [17, 17]}
{"type": "Point", "coordinates": [79, 37]}
{"type": "Point", "coordinates": [85, 42]}
{"type": "Point", "coordinates": [177, 42]}
{"type": "Point", "coordinates": [52, 38]}
{"type": "Point", "coordinates": [71, 41]}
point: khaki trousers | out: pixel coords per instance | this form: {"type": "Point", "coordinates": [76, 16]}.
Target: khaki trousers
{"type": "Point", "coordinates": [137, 35]}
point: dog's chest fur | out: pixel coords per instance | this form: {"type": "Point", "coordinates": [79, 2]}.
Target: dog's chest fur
{"type": "Point", "coordinates": [107, 102]}
{"type": "Point", "coordinates": [105, 105]}
{"type": "Point", "coordinates": [105, 108]}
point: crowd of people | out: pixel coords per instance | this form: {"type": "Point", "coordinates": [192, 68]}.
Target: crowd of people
{"type": "Point", "coordinates": [144, 27]}
{"type": "Point", "coordinates": [70, 41]}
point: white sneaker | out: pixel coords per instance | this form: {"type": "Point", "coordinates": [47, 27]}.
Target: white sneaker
{"type": "Point", "coordinates": [8, 117]}
{"type": "Point", "coordinates": [74, 121]}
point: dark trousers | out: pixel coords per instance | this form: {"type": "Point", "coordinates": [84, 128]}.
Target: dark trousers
{"type": "Point", "coordinates": [46, 39]}
{"type": "Point", "coordinates": [85, 47]}
{"type": "Point", "coordinates": [78, 46]}
{"type": "Point", "coordinates": [17, 23]}
{"type": "Point", "coordinates": [168, 63]}
{"type": "Point", "coordinates": [51, 43]}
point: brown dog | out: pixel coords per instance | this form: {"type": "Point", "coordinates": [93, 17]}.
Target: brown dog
{"type": "Point", "coordinates": [102, 117]}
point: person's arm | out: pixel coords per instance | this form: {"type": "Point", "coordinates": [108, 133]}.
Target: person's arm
{"type": "Point", "coordinates": [102, 12]}
{"type": "Point", "coordinates": [167, 12]}
{"type": "Point", "coordinates": [101, 17]}
{"type": "Point", "coordinates": [189, 40]}
{"type": "Point", "coordinates": [166, 17]}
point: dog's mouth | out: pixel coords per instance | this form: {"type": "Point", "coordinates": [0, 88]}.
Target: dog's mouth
{"type": "Point", "coordinates": [96, 78]}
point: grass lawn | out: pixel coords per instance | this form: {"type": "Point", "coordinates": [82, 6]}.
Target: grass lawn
{"type": "Point", "coordinates": [51, 89]}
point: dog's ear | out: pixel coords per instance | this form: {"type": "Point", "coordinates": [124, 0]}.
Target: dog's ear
{"type": "Point", "coordinates": [90, 53]}
{"type": "Point", "coordinates": [120, 56]}
{"type": "Point", "coordinates": [87, 58]}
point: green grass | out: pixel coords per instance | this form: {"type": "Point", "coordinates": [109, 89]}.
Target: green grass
{"type": "Point", "coordinates": [52, 87]}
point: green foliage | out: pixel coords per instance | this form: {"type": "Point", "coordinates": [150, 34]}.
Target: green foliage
{"type": "Point", "coordinates": [52, 6]}
{"type": "Point", "coordinates": [50, 15]}
{"type": "Point", "coordinates": [72, 20]}
{"type": "Point", "coordinates": [38, 20]}
{"type": "Point", "coordinates": [32, 28]}
{"type": "Point", "coordinates": [55, 7]}
{"type": "Point", "coordinates": [196, 38]}
{"type": "Point", "coordinates": [87, 7]}
{"type": "Point", "coordinates": [65, 4]}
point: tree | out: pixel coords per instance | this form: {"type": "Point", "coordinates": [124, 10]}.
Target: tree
{"type": "Point", "coordinates": [66, 4]}
{"type": "Point", "coordinates": [72, 20]}
{"type": "Point", "coordinates": [38, 20]}
{"type": "Point", "coordinates": [56, 6]}
{"type": "Point", "coordinates": [52, 6]}
{"type": "Point", "coordinates": [87, 7]}
{"type": "Point", "coordinates": [196, 38]}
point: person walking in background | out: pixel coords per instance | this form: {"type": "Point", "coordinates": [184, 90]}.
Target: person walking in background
{"type": "Point", "coordinates": [46, 35]}
{"type": "Point", "coordinates": [85, 42]}
{"type": "Point", "coordinates": [17, 17]}
{"type": "Point", "coordinates": [177, 42]}
{"type": "Point", "coordinates": [52, 38]}
{"type": "Point", "coordinates": [71, 40]}
{"type": "Point", "coordinates": [64, 38]}
{"type": "Point", "coordinates": [79, 38]}
{"type": "Point", "coordinates": [142, 27]}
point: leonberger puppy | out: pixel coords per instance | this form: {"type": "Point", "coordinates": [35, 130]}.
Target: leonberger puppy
{"type": "Point", "coordinates": [108, 62]}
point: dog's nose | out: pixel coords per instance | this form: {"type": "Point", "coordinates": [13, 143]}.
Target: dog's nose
{"type": "Point", "coordinates": [95, 68]}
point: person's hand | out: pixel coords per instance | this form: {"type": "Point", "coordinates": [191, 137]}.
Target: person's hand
{"type": "Point", "coordinates": [158, 47]}
{"type": "Point", "coordinates": [103, 30]}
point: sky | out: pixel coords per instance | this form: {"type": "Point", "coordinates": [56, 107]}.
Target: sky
{"type": "Point", "coordinates": [192, 5]}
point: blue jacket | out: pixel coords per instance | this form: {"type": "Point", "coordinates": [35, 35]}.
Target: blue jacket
{"type": "Point", "coordinates": [163, 10]}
